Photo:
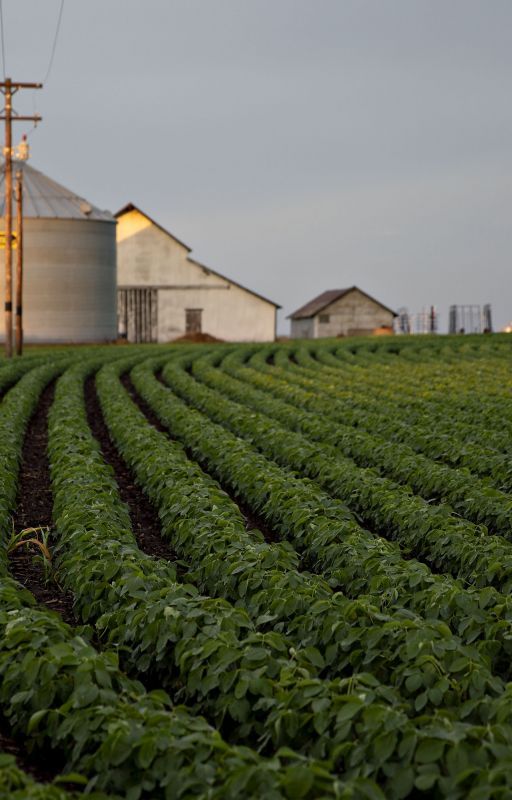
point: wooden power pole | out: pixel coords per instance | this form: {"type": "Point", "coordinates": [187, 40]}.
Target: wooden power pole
{"type": "Point", "coordinates": [19, 263]}
{"type": "Point", "coordinates": [8, 88]}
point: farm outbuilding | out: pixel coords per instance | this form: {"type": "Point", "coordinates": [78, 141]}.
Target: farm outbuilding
{"type": "Point", "coordinates": [69, 292]}
{"type": "Point", "coordinates": [341, 312]}
{"type": "Point", "coordinates": [163, 293]}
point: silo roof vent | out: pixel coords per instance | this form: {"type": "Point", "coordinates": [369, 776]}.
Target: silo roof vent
{"type": "Point", "coordinates": [85, 208]}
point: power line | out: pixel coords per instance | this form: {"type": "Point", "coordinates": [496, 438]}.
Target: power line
{"type": "Point", "coordinates": [2, 35]}
{"type": "Point", "coordinates": [34, 111]}
{"type": "Point", "coordinates": [54, 46]}
{"type": "Point", "coordinates": [50, 64]}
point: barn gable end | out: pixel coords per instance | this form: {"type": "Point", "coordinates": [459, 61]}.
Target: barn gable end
{"type": "Point", "coordinates": [354, 314]}
{"type": "Point", "coordinates": [165, 293]}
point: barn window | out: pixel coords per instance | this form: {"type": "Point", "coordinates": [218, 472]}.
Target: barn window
{"type": "Point", "coordinates": [324, 318]}
{"type": "Point", "coordinates": [193, 320]}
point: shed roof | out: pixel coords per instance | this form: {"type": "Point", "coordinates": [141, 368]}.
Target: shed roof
{"type": "Point", "coordinates": [44, 197]}
{"type": "Point", "coordinates": [325, 299]}
{"type": "Point", "coordinates": [131, 207]}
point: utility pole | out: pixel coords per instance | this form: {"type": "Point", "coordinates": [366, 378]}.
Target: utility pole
{"type": "Point", "coordinates": [8, 88]}
{"type": "Point", "coordinates": [19, 263]}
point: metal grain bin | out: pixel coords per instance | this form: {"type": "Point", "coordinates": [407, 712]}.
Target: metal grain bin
{"type": "Point", "coordinates": [69, 292]}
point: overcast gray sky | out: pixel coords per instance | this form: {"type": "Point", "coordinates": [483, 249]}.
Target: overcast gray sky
{"type": "Point", "coordinates": [295, 145]}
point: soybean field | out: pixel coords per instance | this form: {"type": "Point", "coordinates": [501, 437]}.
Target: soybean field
{"type": "Point", "coordinates": [257, 570]}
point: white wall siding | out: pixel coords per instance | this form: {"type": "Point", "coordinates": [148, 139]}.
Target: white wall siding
{"type": "Point", "coordinates": [227, 313]}
{"type": "Point", "coordinates": [149, 256]}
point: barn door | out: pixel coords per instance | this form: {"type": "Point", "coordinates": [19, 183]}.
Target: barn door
{"type": "Point", "coordinates": [193, 320]}
{"type": "Point", "coordinates": [137, 315]}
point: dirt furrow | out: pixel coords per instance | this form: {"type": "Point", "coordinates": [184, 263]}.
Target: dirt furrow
{"type": "Point", "coordinates": [27, 562]}
{"type": "Point", "coordinates": [27, 565]}
{"type": "Point", "coordinates": [37, 765]}
{"type": "Point", "coordinates": [251, 519]}
{"type": "Point", "coordinates": [144, 517]}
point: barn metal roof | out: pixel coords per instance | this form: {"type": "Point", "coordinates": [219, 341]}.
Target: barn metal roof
{"type": "Point", "coordinates": [44, 197]}
{"type": "Point", "coordinates": [325, 299]}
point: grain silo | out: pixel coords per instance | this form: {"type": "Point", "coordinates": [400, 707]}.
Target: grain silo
{"type": "Point", "coordinates": [69, 292]}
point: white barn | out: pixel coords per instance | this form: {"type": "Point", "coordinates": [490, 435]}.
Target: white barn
{"type": "Point", "coordinates": [163, 293]}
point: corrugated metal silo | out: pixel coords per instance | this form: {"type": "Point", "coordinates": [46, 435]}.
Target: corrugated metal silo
{"type": "Point", "coordinates": [69, 292]}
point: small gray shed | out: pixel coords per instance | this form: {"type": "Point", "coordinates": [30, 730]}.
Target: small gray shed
{"type": "Point", "coordinates": [341, 312]}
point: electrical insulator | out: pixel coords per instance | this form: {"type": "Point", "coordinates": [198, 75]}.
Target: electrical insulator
{"type": "Point", "coordinates": [23, 149]}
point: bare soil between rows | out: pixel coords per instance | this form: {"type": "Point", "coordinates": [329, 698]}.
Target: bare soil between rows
{"type": "Point", "coordinates": [143, 516]}
{"type": "Point", "coordinates": [251, 519]}
{"type": "Point", "coordinates": [34, 764]}
{"type": "Point", "coordinates": [34, 510]}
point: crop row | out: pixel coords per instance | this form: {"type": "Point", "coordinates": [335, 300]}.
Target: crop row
{"type": "Point", "coordinates": [387, 350]}
{"type": "Point", "coordinates": [322, 529]}
{"type": "Point", "coordinates": [467, 399]}
{"type": "Point", "coordinates": [430, 407]}
{"type": "Point", "coordinates": [427, 387]}
{"type": "Point", "coordinates": [427, 776]}
{"type": "Point", "coordinates": [207, 528]}
{"type": "Point", "coordinates": [18, 785]}
{"type": "Point", "coordinates": [226, 554]}
{"type": "Point", "coordinates": [447, 445]}
{"type": "Point", "coordinates": [464, 375]}
{"type": "Point", "coordinates": [30, 675]}
{"type": "Point", "coordinates": [469, 496]}
{"type": "Point", "coordinates": [482, 460]}
{"type": "Point", "coordinates": [470, 398]}
{"type": "Point", "coordinates": [166, 492]}
{"type": "Point", "coordinates": [477, 356]}
{"type": "Point", "coordinates": [14, 370]}
{"type": "Point", "coordinates": [201, 649]}
{"type": "Point", "coordinates": [445, 541]}
{"type": "Point", "coordinates": [58, 692]}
